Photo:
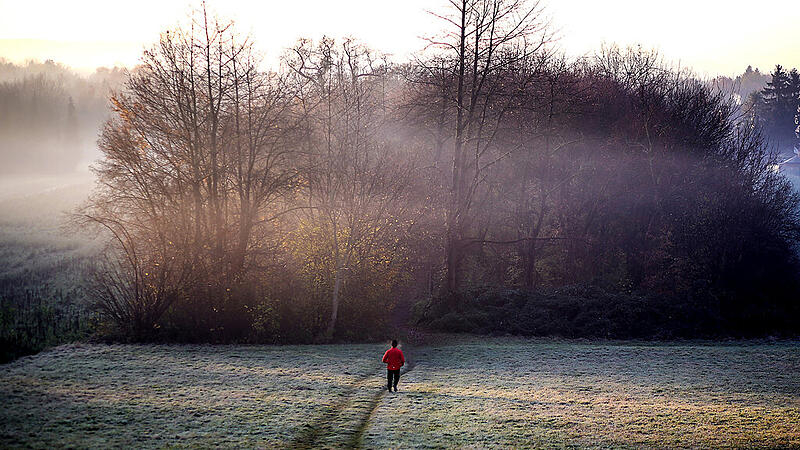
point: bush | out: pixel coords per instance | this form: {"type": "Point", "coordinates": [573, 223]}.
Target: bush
{"type": "Point", "coordinates": [38, 319]}
{"type": "Point", "coordinates": [593, 312]}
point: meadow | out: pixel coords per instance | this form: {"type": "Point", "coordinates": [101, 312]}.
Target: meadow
{"type": "Point", "coordinates": [457, 391]}
{"type": "Point", "coordinates": [520, 392]}
{"type": "Point", "coordinates": [42, 263]}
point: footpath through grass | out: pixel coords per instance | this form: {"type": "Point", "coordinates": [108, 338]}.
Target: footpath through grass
{"type": "Point", "coordinates": [138, 396]}
{"type": "Point", "coordinates": [462, 392]}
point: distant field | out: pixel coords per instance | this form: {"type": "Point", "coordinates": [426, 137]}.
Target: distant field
{"type": "Point", "coordinates": [34, 244]}
{"type": "Point", "coordinates": [462, 392]}
{"type": "Point", "coordinates": [42, 263]}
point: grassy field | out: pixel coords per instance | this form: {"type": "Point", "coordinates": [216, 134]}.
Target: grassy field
{"type": "Point", "coordinates": [461, 392]}
{"type": "Point", "coordinates": [511, 392]}
{"type": "Point", "coordinates": [35, 247]}
{"type": "Point", "coordinates": [153, 396]}
{"type": "Point", "coordinates": [42, 263]}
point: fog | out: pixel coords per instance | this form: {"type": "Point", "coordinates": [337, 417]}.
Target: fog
{"type": "Point", "coordinates": [51, 116]}
{"type": "Point", "coordinates": [321, 200]}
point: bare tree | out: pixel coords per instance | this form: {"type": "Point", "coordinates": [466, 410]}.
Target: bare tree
{"type": "Point", "coordinates": [485, 39]}
{"type": "Point", "coordinates": [196, 157]}
{"type": "Point", "coordinates": [356, 181]}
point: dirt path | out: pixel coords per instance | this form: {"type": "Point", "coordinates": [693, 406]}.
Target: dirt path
{"type": "Point", "coordinates": [344, 424]}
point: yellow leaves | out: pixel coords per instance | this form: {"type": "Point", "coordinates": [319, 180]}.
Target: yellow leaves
{"type": "Point", "coordinates": [125, 114]}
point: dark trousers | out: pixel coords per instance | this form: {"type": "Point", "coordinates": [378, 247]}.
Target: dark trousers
{"type": "Point", "coordinates": [392, 375]}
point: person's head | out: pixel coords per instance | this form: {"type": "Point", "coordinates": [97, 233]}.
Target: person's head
{"type": "Point", "coordinates": [394, 342]}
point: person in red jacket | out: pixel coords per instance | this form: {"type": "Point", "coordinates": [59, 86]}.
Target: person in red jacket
{"type": "Point", "coordinates": [394, 361]}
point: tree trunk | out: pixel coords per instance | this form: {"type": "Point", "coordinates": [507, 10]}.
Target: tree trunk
{"type": "Point", "coordinates": [452, 263]}
{"type": "Point", "coordinates": [337, 283]}
{"type": "Point", "coordinates": [453, 255]}
{"type": "Point", "coordinates": [530, 265]}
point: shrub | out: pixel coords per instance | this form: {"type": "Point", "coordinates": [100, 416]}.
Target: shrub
{"type": "Point", "coordinates": [588, 311]}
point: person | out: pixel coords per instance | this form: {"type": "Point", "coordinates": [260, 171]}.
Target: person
{"type": "Point", "coordinates": [394, 361]}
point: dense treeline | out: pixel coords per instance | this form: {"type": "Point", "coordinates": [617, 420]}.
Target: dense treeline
{"type": "Point", "coordinates": [244, 204]}
{"type": "Point", "coordinates": [492, 180]}
{"type": "Point", "coordinates": [50, 116]}
{"type": "Point", "coordinates": [770, 99]}
{"type": "Point", "coordinates": [743, 85]}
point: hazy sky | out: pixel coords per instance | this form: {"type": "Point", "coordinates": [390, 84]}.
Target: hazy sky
{"type": "Point", "coordinates": [711, 36]}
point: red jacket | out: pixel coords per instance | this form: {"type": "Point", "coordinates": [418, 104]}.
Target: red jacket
{"type": "Point", "coordinates": [394, 358]}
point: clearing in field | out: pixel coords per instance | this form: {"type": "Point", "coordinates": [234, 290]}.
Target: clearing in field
{"type": "Point", "coordinates": [461, 392]}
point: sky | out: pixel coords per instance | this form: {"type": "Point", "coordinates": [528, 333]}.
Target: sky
{"type": "Point", "coordinates": [709, 36]}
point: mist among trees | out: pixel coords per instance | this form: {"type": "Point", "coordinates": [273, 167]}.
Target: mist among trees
{"type": "Point", "coordinates": [50, 116]}
{"type": "Point", "coordinates": [491, 183]}
{"type": "Point", "coordinates": [777, 108]}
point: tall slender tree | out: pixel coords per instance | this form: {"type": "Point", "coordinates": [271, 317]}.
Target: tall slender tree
{"type": "Point", "coordinates": [484, 39]}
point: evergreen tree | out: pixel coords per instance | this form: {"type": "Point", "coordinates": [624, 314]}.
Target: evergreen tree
{"type": "Point", "coordinates": [780, 105]}
{"type": "Point", "coordinates": [794, 88]}
{"type": "Point", "coordinates": [750, 81]}
{"type": "Point", "coordinates": [756, 108]}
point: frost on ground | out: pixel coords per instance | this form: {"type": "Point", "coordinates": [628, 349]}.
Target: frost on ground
{"type": "Point", "coordinates": [153, 396]}
{"type": "Point", "coordinates": [465, 392]}
{"type": "Point", "coordinates": [514, 392]}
